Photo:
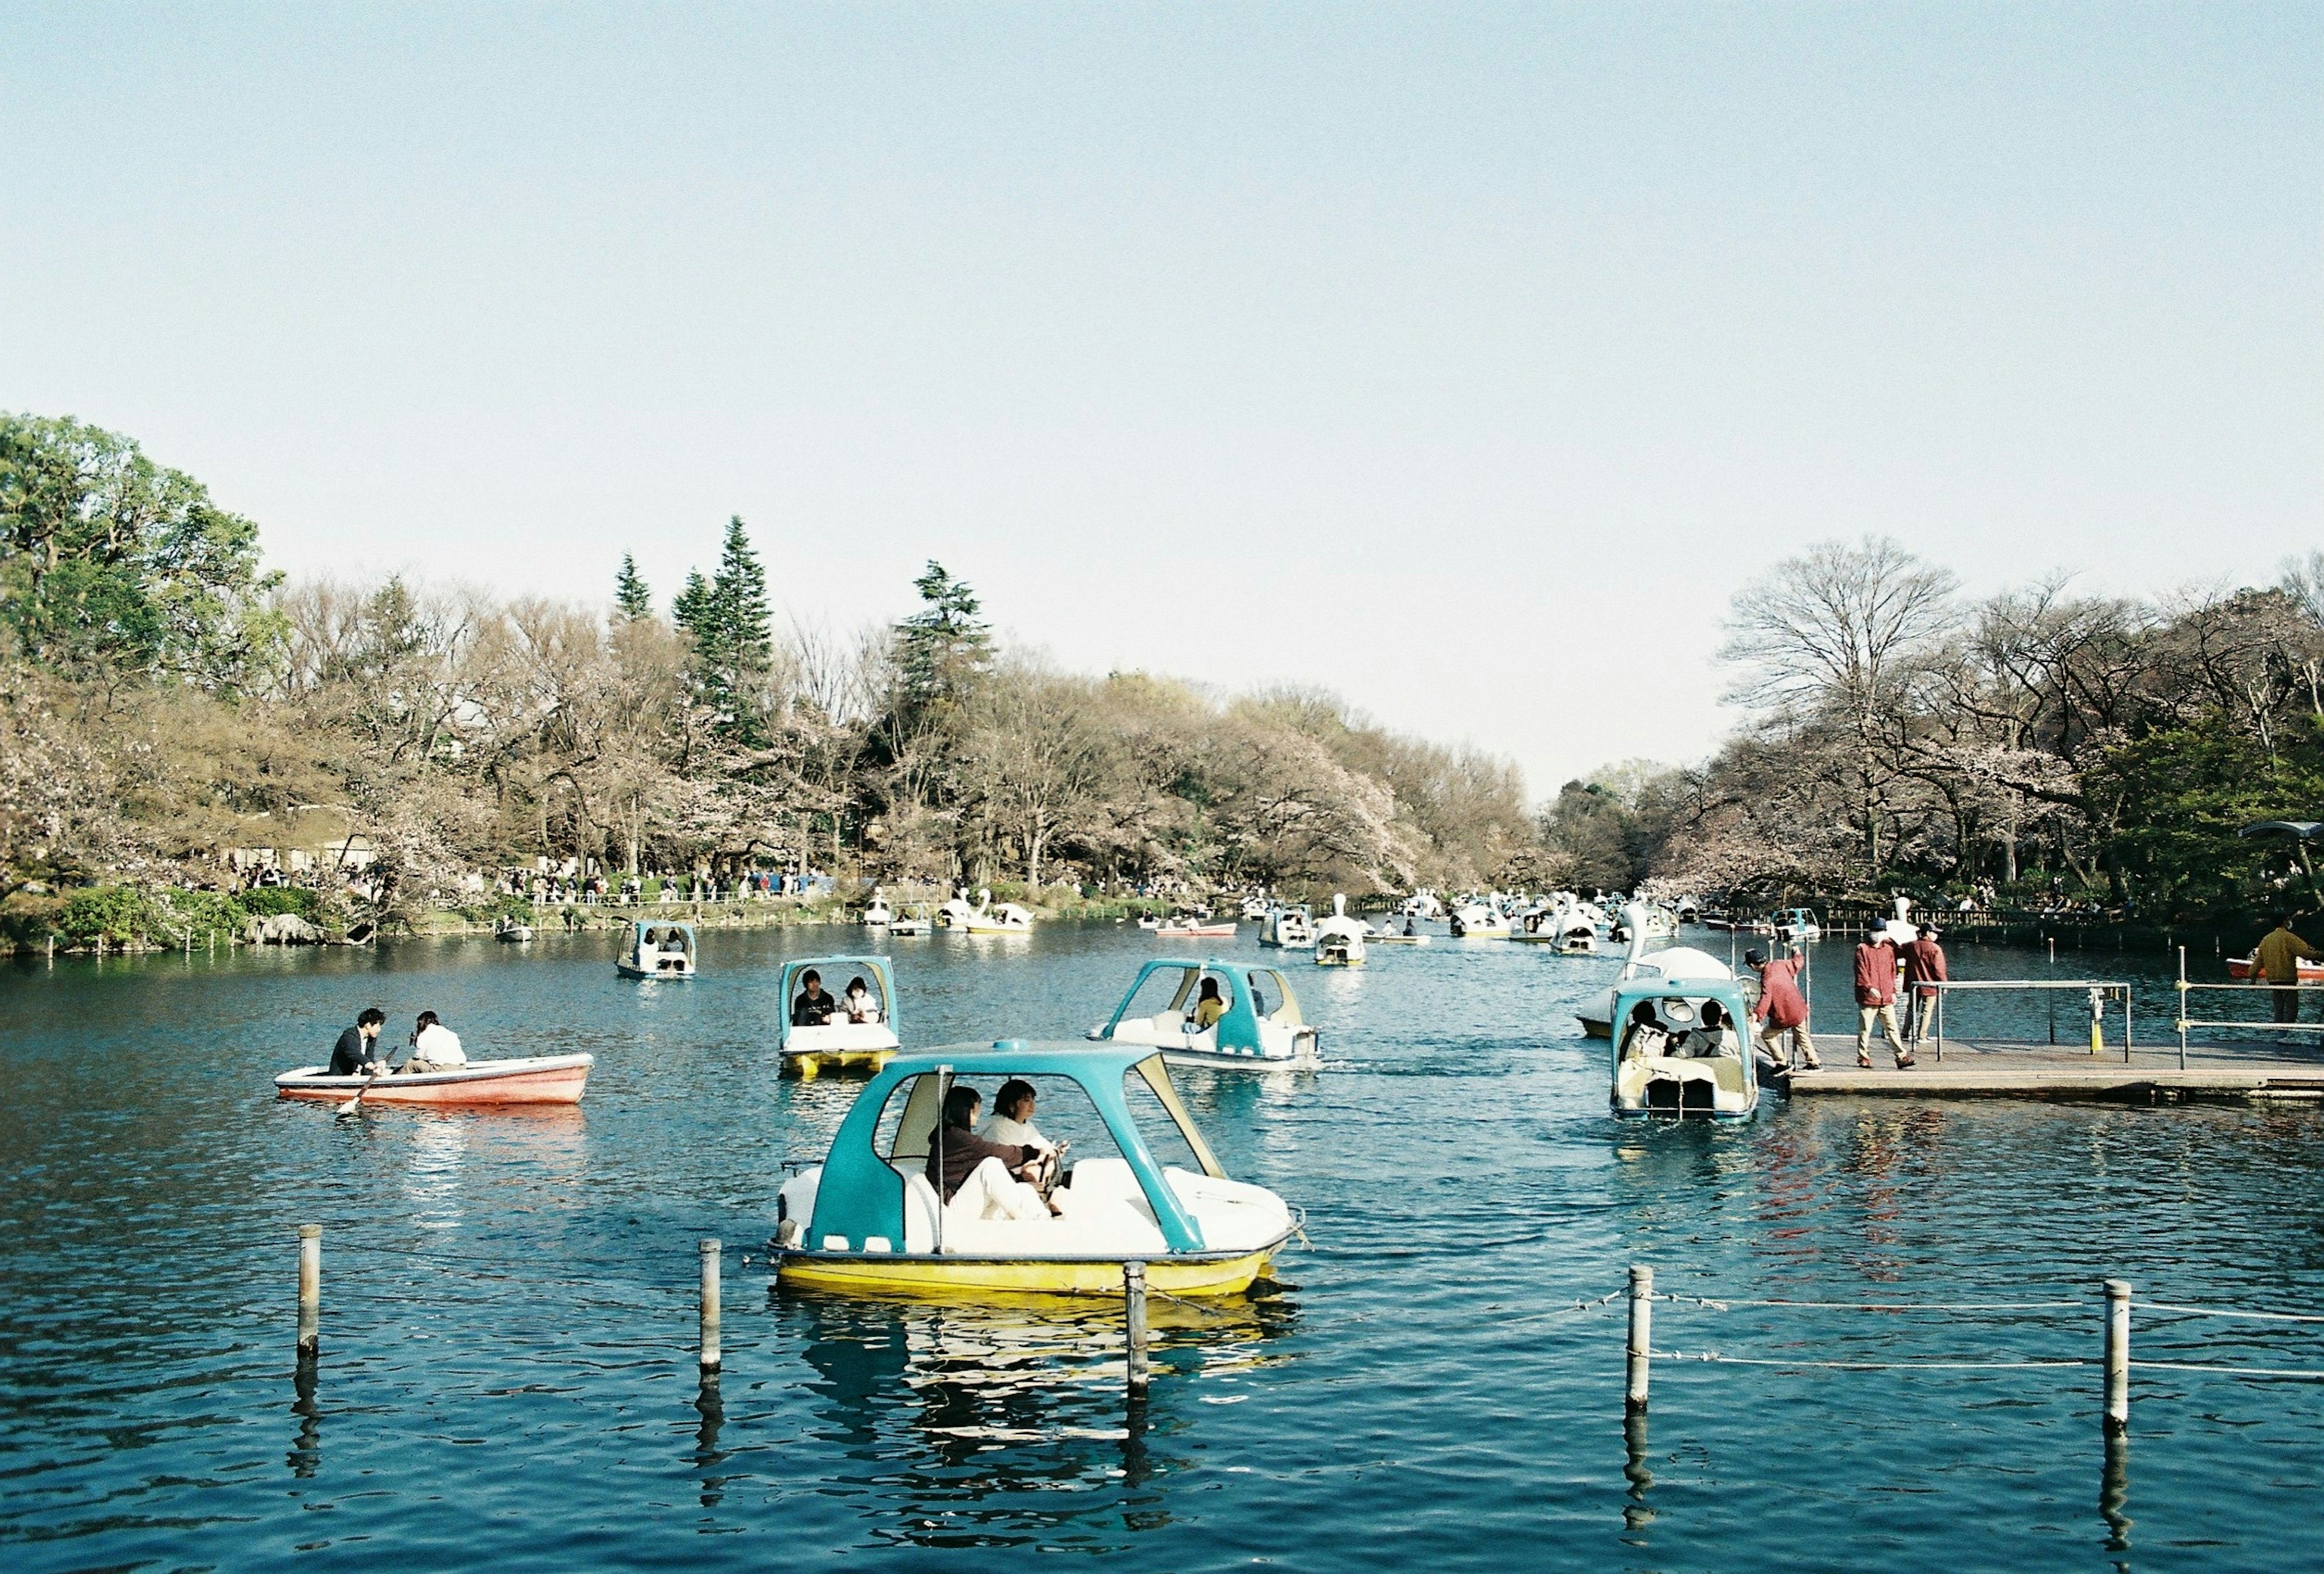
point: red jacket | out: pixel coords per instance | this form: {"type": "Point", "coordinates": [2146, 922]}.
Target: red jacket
{"type": "Point", "coordinates": [1876, 973]}
{"type": "Point", "coordinates": [1925, 963]}
{"type": "Point", "coordinates": [1781, 1004]}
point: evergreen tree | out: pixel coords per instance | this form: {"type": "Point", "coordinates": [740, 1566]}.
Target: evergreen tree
{"type": "Point", "coordinates": [630, 592]}
{"type": "Point", "coordinates": [739, 592]}
{"type": "Point", "coordinates": [691, 609]}
{"type": "Point", "coordinates": [941, 649]}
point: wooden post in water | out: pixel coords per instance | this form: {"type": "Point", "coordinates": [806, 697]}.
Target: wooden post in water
{"type": "Point", "coordinates": [2118, 1356]}
{"type": "Point", "coordinates": [1133, 1309]}
{"type": "Point", "coordinates": [310, 1289]}
{"type": "Point", "coordinates": [1642, 1342]}
{"type": "Point", "coordinates": [710, 1352]}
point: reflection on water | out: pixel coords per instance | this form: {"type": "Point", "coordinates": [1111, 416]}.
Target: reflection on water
{"type": "Point", "coordinates": [508, 1297]}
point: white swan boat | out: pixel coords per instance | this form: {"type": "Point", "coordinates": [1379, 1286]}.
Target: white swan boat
{"type": "Point", "coordinates": [1340, 939]}
{"type": "Point", "coordinates": [1480, 921]}
{"type": "Point", "coordinates": [1675, 961]}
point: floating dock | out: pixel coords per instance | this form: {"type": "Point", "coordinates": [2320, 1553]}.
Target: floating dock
{"type": "Point", "coordinates": [1990, 1068]}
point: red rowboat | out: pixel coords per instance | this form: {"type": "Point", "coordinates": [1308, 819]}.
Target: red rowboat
{"type": "Point", "coordinates": [2310, 972]}
{"type": "Point", "coordinates": [547, 1079]}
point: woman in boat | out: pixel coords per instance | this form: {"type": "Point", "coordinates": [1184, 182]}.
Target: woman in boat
{"type": "Point", "coordinates": [992, 1177]}
{"type": "Point", "coordinates": [857, 1004]}
{"type": "Point", "coordinates": [434, 1047]}
{"type": "Point", "coordinates": [1209, 1007]}
{"type": "Point", "coordinates": [813, 1008]}
{"type": "Point", "coordinates": [1012, 1119]}
{"type": "Point", "coordinates": [1647, 1037]}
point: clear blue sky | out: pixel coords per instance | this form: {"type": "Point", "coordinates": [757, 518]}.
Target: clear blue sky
{"type": "Point", "coordinates": [1461, 359]}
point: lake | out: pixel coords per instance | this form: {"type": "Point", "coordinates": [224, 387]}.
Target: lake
{"type": "Point", "coordinates": [508, 1322]}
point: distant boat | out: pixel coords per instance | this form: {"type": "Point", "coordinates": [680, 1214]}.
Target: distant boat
{"type": "Point", "coordinates": [1292, 928]}
{"type": "Point", "coordinates": [878, 915]}
{"type": "Point", "coordinates": [1191, 929]}
{"type": "Point", "coordinates": [1340, 939]}
{"type": "Point", "coordinates": [657, 948]}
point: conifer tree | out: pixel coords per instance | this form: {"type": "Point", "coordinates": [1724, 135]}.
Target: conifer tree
{"type": "Point", "coordinates": [745, 622]}
{"type": "Point", "coordinates": [630, 595]}
{"type": "Point", "coordinates": [943, 648]}
{"type": "Point", "coordinates": [691, 609]}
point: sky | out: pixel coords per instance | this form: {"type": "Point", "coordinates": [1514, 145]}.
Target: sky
{"type": "Point", "coordinates": [1462, 360]}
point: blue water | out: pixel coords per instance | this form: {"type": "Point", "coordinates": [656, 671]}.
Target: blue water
{"type": "Point", "coordinates": [507, 1374]}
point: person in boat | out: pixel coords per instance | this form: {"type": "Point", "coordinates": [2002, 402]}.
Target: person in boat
{"type": "Point", "coordinates": [434, 1047]}
{"type": "Point", "coordinates": [813, 1008]}
{"type": "Point", "coordinates": [1209, 1006]}
{"type": "Point", "coordinates": [1924, 965]}
{"type": "Point", "coordinates": [1708, 1038]}
{"type": "Point", "coordinates": [1645, 1037]}
{"type": "Point", "coordinates": [1012, 1120]}
{"type": "Point", "coordinates": [356, 1055]}
{"type": "Point", "coordinates": [857, 1005]}
{"type": "Point", "coordinates": [1782, 1010]}
{"type": "Point", "coordinates": [990, 1178]}
{"type": "Point", "coordinates": [2276, 960]}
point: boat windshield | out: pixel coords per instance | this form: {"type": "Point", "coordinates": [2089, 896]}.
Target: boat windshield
{"type": "Point", "coordinates": [1162, 1118]}
{"type": "Point", "coordinates": [1061, 1112]}
{"type": "Point", "coordinates": [1172, 991]}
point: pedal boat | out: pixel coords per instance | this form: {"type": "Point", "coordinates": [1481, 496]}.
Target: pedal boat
{"type": "Point", "coordinates": [1293, 928]}
{"type": "Point", "coordinates": [1340, 939]}
{"type": "Point", "coordinates": [865, 1222]}
{"type": "Point", "coordinates": [1247, 1038]}
{"type": "Point", "coordinates": [1598, 1014]}
{"type": "Point", "coordinates": [1480, 921]}
{"type": "Point", "coordinates": [1665, 1063]}
{"type": "Point", "coordinates": [547, 1079]}
{"type": "Point", "coordinates": [657, 948]}
{"type": "Point", "coordinates": [808, 1052]}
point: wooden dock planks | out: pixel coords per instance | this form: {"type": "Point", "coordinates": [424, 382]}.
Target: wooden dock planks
{"type": "Point", "coordinates": [1999, 1069]}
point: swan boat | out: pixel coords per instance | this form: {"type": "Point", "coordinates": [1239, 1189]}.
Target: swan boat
{"type": "Point", "coordinates": [1248, 1037]}
{"type": "Point", "coordinates": [1682, 1050]}
{"type": "Point", "coordinates": [984, 919]}
{"type": "Point", "coordinates": [1340, 939]}
{"type": "Point", "coordinates": [1480, 921]}
{"type": "Point", "coordinates": [878, 915]}
{"type": "Point", "coordinates": [657, 948]}
{"type": "Point", "coordinates": [1292, 928]}
{"type": "Point", "coordinates": [546, 1079]}
{"type": "Point", "coordinates": [866, 1220]}
{"type": "Point", "coordinates": [512, 932]}
{"type": "Point", "coordinates": [808, 1052]}
{"type": "Point", "coordinates": [1597, 1014]}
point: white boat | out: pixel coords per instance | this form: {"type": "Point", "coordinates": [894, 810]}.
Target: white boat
{"type": "Point", "coordinates": [1683, 1049]}
{"type": "Point", "coordinates": [1480, 920]}
{"type": "Point", "coordinates": [915, 923]}
{"type": "Point", "coordinates": [987, 918]}
{"type": "Point", "coordinates": [1340, 939]}
{"type": "Point", "coordinates": [1422, 904]}
{"type": "Point", "coordinates": [1566, 924]}
{"type": "Point", "coordinates": [657, 948]}
{"type": "Point", "coordinates": [1292, 928]}
{"type": "Point", "coordinates": [1672, 961]}
{"type": "Point", "coordinates": [1257, 1025]}
{"type": "Point", "coordinates": [877, 915]}
{"type": "Point", "coordinates": [510, 930]}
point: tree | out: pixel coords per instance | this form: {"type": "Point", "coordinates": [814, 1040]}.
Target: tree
{"type": "Point", "coordinates": [734, 636]}
{"type": "Point", "coordinates": [108, 561]}
{"type": "Point", "coordinates": [941, 649]}
{"type": "Point", "coordinates": [631, 596]}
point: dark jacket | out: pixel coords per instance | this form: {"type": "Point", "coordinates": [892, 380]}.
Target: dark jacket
{"type": "Point", "coordinates": [353, 1053]}
{"type": "Point", "coordinates": [962, 1150]}
{"type": "Point", "coordinates": [815, 1013]}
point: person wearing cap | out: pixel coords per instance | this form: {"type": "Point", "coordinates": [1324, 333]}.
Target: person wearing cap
{"type": "Point", "coordinates": [1924, 965]}
{"type": "Point", "coordinates": [1875, 999]}
{"type": "Point", "coordinates": [1782, 1010]}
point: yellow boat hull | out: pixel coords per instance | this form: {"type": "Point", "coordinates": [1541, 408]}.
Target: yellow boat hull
{"type": "Point", "coordinates": [884, 1274]}
{"type": "Point", "coordinates": [809, 1064]}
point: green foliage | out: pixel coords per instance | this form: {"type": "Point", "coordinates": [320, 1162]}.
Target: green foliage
{"type": "Point", "coordinates": [733, 627]}
{"type": "Point", "coordinates": [110, 561]}
{"type": "Point", "coordinates": [265, 901]}
{"type": "Point", "coordinates": [2188, 790]}
{"type": "Point", "coordinates": [630, 595]}
{"type": "Point", "coordinates": [117, 914]}
{"type": "Point", "coordinates": [200, 916]}
{"type": "Point", "coordinates": [943, 648]}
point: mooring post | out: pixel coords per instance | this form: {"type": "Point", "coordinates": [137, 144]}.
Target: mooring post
{"type": "Point", "coordinates": [1642, 1340]}
{"type": "Point", "coordinates": [710, 1352]}
{"type": "Point", "coordinates": [2118, 1356]}
{"type": "Point", "coordinates": [2182, 1008]}
{"type": "Point", "coordinates": [311, 1288]}
{"type": "Point", "coordinates": [1133, 1309]}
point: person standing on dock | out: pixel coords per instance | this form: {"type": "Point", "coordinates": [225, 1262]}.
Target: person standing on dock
{"type": "Point", "coordinates": [1924, 964]}
{"type": "Point", "coordinates": [1783, 1010]}
{"type": "Point", "coordinates": [1876, 1001]}
{"type": "Point", "coordinates": [2276, 959]}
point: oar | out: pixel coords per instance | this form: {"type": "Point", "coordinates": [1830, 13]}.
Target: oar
{"type": "Point", "coordinates": [348, 1107]}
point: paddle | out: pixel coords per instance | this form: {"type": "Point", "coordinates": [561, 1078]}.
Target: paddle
{"type": "Point", "coordinates": [348, 1107]}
